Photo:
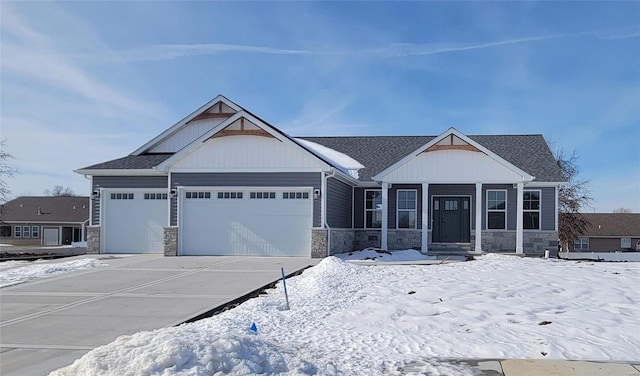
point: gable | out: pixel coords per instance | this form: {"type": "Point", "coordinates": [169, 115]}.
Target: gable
{"type": "Point", "coordinates": [246, 152]}
{"type": "Point", "coordinates": [452, 166]}
{"type": "Point", "coordinates": [191, 127]}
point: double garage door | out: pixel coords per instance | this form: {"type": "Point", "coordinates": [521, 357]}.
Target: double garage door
{"type": "Point", "coordinates": [252, 222]}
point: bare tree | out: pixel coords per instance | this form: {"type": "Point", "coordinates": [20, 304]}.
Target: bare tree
{"type": "Point", "coordinates": [59, 191]}
{"type": "Point", "coordinates": [572, 198]}
{"type": "Point", "coordinates": [6, 171]}
{"type": "Point", "coordinates": [622, 210]}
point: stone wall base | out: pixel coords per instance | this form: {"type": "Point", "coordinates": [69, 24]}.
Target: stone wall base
{"type": "Point", "coordinates": [404, 239]}
{"type": "Point", "coordinates": [366, 239]}
{"type": "Point", "coordinates": [170, 241]}
{"type": "Point", "coordinates": [534, 243]}
{"type": "Point", "coordinates": [93, 240]}
{"type": "Point", "coordinates": [318, 243]}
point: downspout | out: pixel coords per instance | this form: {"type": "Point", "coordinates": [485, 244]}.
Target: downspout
{"type": "Point", "coordinates": [324, 208]}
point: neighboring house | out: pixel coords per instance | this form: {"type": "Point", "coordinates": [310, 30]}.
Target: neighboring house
{"type": "Point", "coordinates": [29, 220]}
{"type": "Point", "coordinates": [222, 181]}
{"type": "Point", "coordinates": [610, 232]}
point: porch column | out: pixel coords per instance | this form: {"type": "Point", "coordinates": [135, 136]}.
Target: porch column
{"type": "Point", "coordinates": [557, 192]}
{"type": "Point", "coordinates": [385, 215]}
{"type": "Point", "coordinates": [425, 218]}
{"type": "Point", "coordinates": [478, 247]}
{"type": "Point", "coordinates": [519, 218]}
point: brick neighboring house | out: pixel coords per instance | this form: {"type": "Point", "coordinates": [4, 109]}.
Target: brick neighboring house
{"type": "Point", "coordinates": [610, 232]}
{"type": "Point", "coordinates": [30, 220]}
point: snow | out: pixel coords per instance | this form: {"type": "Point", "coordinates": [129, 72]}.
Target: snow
{"type": "Point", "coordinates": [378, 255]}
{"type": "Point", "coordinates": [348, 319]}
{"type": "Point", "coordinates": [22, 274]}
{"type": "Point", "coordinates": [344, 162]}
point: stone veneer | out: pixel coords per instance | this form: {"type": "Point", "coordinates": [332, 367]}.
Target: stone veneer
{"type": "Point", "coordinates": [342, 240]}
{"type": "Point", "coordinates": [534, 243]}
{"type": "Point", "coordinates": [318, 243]}
{"type": "Point", "coordinates": [170, 241]}
{"type": "Point", "coordinates": [404, 239]}
{"type": "Point", "coordinates": [93, 240]}
{"type": "Point", "coordinates": [366, 238]}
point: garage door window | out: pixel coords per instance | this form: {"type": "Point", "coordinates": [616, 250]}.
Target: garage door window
{"type": "Point", "coordinates": [295, 195]}
{"type": "Point", "coordinates": [197, 195]}
{"type": "Point", "coordinates": [230, 195]}
{"type": "Point", "coordinates": [122, 196]}
{"type": "Point", "coordinates": [262, 195]}
{"type": "Point", "coordinates": [155, 196]}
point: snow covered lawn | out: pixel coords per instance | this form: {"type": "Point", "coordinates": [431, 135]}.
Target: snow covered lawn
{"type": "Point", "coordinates": [374, 254]}
{"type": "Point", "coordinates": [35, 270]}
{"type": "Point", "coordinates": [382, 320]}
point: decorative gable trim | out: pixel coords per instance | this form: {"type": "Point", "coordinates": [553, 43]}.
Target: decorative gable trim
{"type": "Point", "coordinates": [452, 139]}
{"type": "Point", "coordinates": [218, 107]}
{"type": "Point", "coordinates": [242, 127]}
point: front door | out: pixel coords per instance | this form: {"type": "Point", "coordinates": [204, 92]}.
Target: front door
{"type": "Point", "coordinates": [451, 220]}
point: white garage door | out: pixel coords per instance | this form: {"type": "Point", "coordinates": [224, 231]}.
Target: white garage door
{"type": "Point", "coordinates": [134, 221]}
{"type": "Point", "coordinates": [251, 222]}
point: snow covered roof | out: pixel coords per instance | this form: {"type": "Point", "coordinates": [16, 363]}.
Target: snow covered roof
{"type": "Point", "coordinates": [340, 160]}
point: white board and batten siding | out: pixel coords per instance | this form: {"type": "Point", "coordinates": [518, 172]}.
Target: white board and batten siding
{"type": "Point", "coordinates": [186, 135]}
{"type": "Point", "coordinates": [246, 221]}
{"type": "Point", "coordinates": [453, 166]}
{"type": "Point", "coordinates": [133, 220]}
{"type": "Point", "coordinates": [242, 153]}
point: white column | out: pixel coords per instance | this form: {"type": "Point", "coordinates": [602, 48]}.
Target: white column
{"type": "Point", "coordinates": [385, 215]}
{"type": "Point", "coordinates": [425, 218]}
{"type": "Point", "coordinates": [519, 218]}
{"type": "Point", "coordinates": [323, 199]}
{"type": "Point", "coordinates": [478, 217]}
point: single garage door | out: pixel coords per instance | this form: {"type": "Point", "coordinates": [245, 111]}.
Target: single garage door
{"type": "Point", "coordinates": [251, 222]}
{"type": "Point", "coordinates": [134, 221]}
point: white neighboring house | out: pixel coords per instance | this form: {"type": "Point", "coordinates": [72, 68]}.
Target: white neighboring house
{"type": "Point", "coordinates": [222, 181]}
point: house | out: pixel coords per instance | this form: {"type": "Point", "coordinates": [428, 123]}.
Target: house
{"type": "Point", "coordinates": [610, 232]}
{"type": "Point", "coordinates": [223, 181]}
{"type": "Point", "coordinates": [29, 220]}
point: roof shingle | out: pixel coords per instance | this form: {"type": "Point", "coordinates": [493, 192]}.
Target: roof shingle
{"type": "Point", "coordinates": [613, 224]}
{"type": "Point", "coordinates": [73, 209]}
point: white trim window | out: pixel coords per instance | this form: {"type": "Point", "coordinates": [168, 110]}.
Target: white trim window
{"type": "Point", "coordinates": [262, 195]}
{"type": "Point", "coordinates": [496, 209]}
{"type": "Point", "coordinates": [35, 231]}
{"type": "Point", "coordinates": [295, 195]}
{"type": "Point", "coordinates": [227, 195]}
{"type": "Point", "coordinates": [373, 208]}
{"type": "Point", "coordinates": [26, 231]}
{"type": "Point", "coordinates": [581, 244]}
{"type": "Point", "coordinates": [531, 209]}
{"type": "Point", "coordinates": [407, 208]}
{"type": "Point", "coordinates": [17, 231]}
{"type": "Point", "coordinates": [197, 195]}
{"type": "Point", "coordinates": [122, 196]}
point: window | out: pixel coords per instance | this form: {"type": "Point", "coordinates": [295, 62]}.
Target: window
{"type": "Point", "coordinates": [262, 195]}
{"type": "Point", "coordinates": [531, 207]}
{"type": "Point", "coordinates": [230, 195]}
{"type": "Point", "coordinates": [625, 243]}
{"type": "Point", "coordinates": [496, 209]}
{"type": "Point", "coordinates": [26, 231]}
{"type": "Point", "coordinates": [373, 208]}
{"type": "Point", "coordinates": [407, 208]}
{"type": "Point", "coordinates": [192, 195]}
{"type": "Point", "coordinates": [581, 244]}
{"type": "Point", "coordinates": [122, 196]}
{"type": "Point", "coordinates": [155, 196]}
{"type": "Point", "coordinates": [5, 230]}
{"type": "Point", "coordinates": [295, 195]}
{"type": "Point", "coordinates": [35, 231]}
{"type": "Point", "coordinates": [17, 232]}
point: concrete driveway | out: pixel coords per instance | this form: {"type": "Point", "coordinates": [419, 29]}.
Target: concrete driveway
{"type": "Point", "coordinates": [48, 323]}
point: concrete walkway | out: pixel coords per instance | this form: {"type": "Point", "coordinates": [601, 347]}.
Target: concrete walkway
{"type": "Point", "coordinates": [543, 367]}
{"type": "Point", "coordinates": [48, 323]}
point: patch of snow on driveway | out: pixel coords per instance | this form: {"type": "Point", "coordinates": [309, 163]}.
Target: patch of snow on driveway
{"type": "Point", "coordinates": [37, 271]}
{"type": "Point", "coordinates": [347, 319]}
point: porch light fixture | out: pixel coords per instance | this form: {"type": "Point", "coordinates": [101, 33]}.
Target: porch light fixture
{"type": "Point", "coordinates": [174, 193]}
{"type": "Point", "coordinates": [316, 193]}
{"type": "Point", "coordinates": [95, 195]}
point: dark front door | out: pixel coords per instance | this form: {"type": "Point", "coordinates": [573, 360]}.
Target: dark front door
{"type": "Point", "coordinates": [451, 220]}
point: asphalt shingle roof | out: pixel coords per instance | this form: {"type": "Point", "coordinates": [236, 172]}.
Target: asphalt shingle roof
{"type": "Point", "coordinates": [530, 153]}
{"type": "Point", "coordinates": [613, 224]}
{"type": "Point", "coordinates": [73, 209]}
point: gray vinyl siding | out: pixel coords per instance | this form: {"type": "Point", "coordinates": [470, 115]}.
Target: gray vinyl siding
{"type": "Point", "coordinates": [123, 182]}
{"type": "Point", "coordinates": [453, 190]}
{"type": "Point", "coordinates": [548, 208]}
{"type": "Point", "coordinates": [358, 207]}
{"type": "Point", "coordinates": [339, 204]}
{"type": "Point", "coordinates": [249, 179]}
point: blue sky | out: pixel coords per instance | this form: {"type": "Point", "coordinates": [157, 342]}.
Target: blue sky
{"type": "Point", "coordinates": [87, 82]}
